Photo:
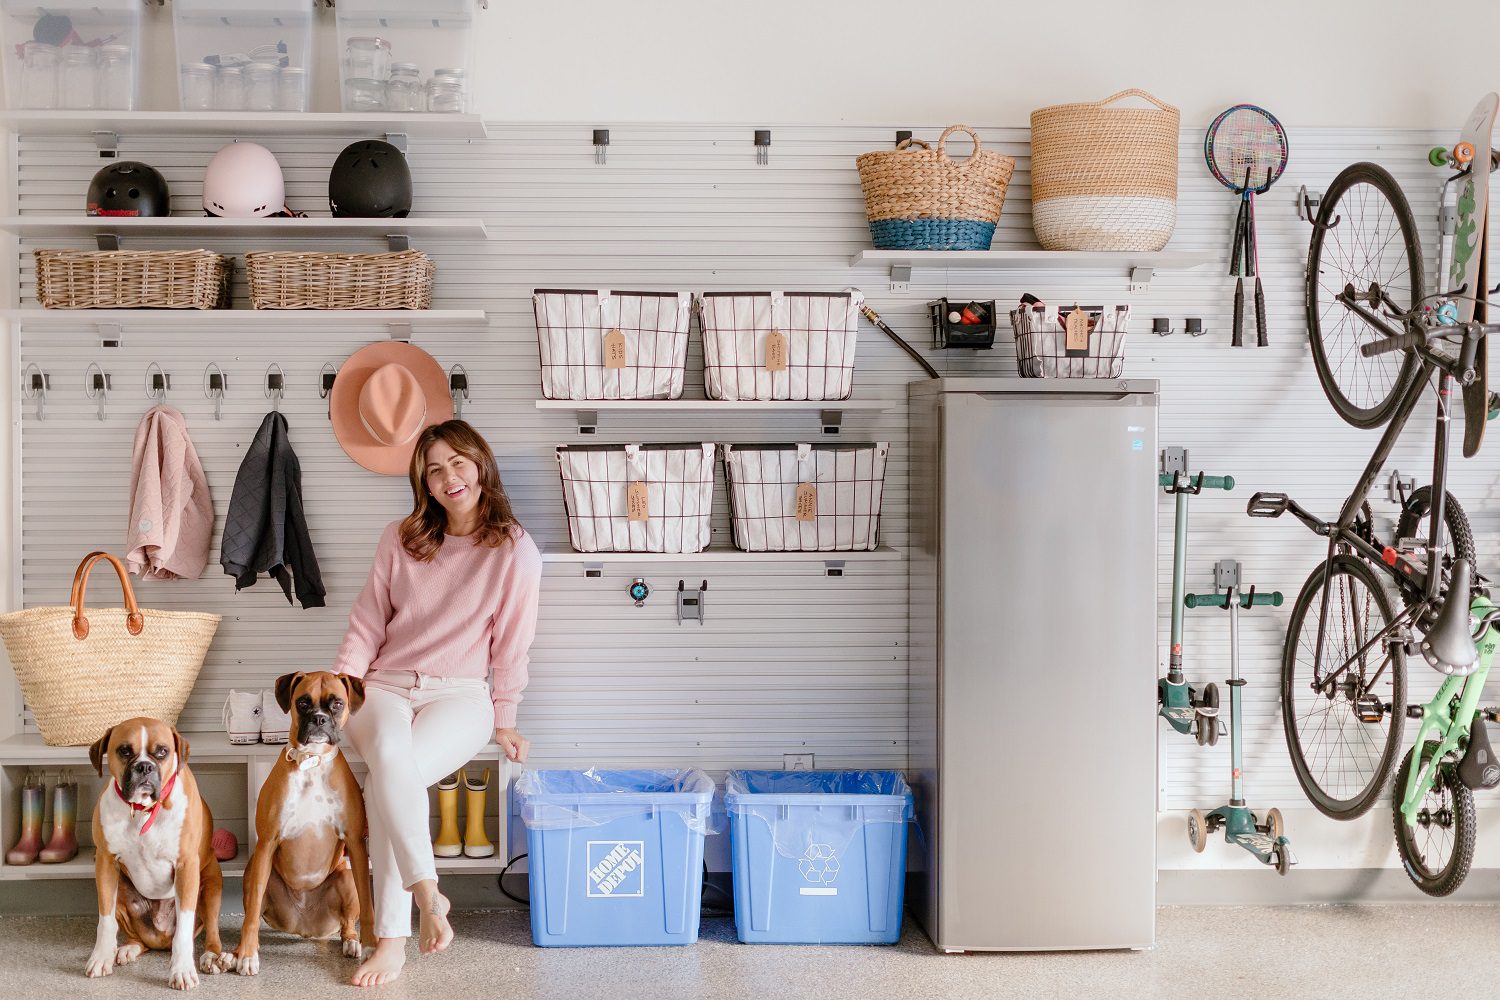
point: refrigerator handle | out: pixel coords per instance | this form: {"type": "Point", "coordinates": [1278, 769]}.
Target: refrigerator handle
{"type": "Point", "coordinates": [1061, 395]}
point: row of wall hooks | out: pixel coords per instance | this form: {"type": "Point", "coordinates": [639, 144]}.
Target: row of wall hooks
{"type": "Point", "coordinates": [98, 384]}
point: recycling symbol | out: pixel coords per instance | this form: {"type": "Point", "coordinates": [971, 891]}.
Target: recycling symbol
{"type": "Point", "coordinates": [819, 864]}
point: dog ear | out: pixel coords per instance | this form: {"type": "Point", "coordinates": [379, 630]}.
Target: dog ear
{"type": "Point", "coordinates": [99, 749]}
{"type": "Point", "coordinates": [284, 685]}
{"type": "Point", "coordinates": [180, 742]}
{"type": "Point", "coordinates": [356, 688]}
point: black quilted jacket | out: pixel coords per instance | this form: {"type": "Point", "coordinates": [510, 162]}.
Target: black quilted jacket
{"type": "Point", "coordinates": [265, 531]}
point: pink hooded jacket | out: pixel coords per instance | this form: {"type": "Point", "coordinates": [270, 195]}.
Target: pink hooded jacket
{"type": "Point", "coordinates": [171, 511]}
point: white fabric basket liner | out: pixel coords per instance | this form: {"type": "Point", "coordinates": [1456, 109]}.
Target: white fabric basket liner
{"type": "Point", "coordinates": [821, 329]}
{"type": "Point", "coordinates": [570, 328]}
{"type": "Point", "coordinates": [1042, 340]}
{"type": "Point", "coordinates": [679, 482]}
{"type": "Point", "coordinates": [763, 480]}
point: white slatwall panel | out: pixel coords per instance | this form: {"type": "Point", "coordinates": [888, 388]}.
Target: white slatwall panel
{"type": "Point", "coordinates": [788, 660]}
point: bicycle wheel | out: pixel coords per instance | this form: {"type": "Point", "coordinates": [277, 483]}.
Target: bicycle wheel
{"type": "Point", "coordinates": [1437, 852]}
{"type": "Point", "coordinates": [1342, 762]}
{"type": "Point", "coordinates": [1458, 542]}
{"type": "Point", "coordinates": [1373, 247]}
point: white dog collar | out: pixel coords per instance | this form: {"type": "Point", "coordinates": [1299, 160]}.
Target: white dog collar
{"type": "Point", "coordinates": [306, 760]}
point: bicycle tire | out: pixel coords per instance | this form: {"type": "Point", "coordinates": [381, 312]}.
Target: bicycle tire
{"type": "Point", "coordinates": [1446, 877]}
{"type": "Point", "coordinates": [1331, 264]}
{"type": "Point", "coordinates": [1460, 540]}
{"type": "Point", "coordinates": [1373, 750]}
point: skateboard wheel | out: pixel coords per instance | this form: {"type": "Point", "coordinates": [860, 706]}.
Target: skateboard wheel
{"type": "Point", "coordinates": [1438, 156]}
{"type": "Point", "coordinates": [1463, 154]}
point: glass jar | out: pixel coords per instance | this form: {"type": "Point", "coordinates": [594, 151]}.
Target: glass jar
{"type": "Point", "coordinates": [364, 94]}
{"type": "Point", "coordinates": [79, 76]}
{"type": "Point", "coordinates": [197, 87]}
{"type": "Point", "coordinates": [445, 91]}
{"type": "Point", "coordinates": [292, 92]}
{"type": "Point", "coordinates": [367, 58]}
{"type": "Point", "coordinates": [229, 89]}
{"type": "Point", "coordinates": [403, 91]}
{"type": "Point", "coordinates": [261, 86]}
{"type": "Point", "coordinates": [40, 71]}
{"type": "Point", "coordinates": [115, 78]}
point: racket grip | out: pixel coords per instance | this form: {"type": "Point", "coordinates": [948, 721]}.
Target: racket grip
{"type": "Point", "coordinates": [1260, 314]}
{"type": "Point", "coordinates": [1238, 340]}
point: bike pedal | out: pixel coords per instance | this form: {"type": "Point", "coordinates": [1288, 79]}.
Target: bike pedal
{"type": "Point", "coordinates": [1268, 505]}
{"type": "Point", "coordinates": [1490, 714]}
{"type": "Point", "coordinates": [1368, 708]}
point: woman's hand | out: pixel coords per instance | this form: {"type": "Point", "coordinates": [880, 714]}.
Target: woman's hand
{"type": "Point", "coordinates": [513, 743]}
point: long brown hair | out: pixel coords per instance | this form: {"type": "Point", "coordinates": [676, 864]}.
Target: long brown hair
{"type": "Point", "coordinates": [425, 527]}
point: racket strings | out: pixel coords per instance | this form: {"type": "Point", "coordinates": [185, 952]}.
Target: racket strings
{"type": "Point", "coordinates": [1247, 148]}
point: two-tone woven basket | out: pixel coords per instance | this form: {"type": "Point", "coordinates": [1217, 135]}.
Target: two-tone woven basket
{"type": "Point", "coordinates": [296, 280]}
{"type": "Point", "coordinates": [1104, 178]}
{"type": "Point", "coordinates": [132, 279]}
{"type": "Point", "coordinates": [923, 199]}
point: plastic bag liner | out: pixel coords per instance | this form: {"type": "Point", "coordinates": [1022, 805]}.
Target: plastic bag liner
{"type": "Point", "coordinates": [564, 800]}
{"type": "Point", "coordinates": [804, 808]}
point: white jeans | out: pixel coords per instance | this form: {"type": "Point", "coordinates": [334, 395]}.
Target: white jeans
{"type": "Point", "coordinates": [412, 730]}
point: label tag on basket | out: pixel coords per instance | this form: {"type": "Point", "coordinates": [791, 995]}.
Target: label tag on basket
{"type": "Point", "coordinates": [776, 352]}
{"type": "Point", "coordinates": [1078, 333]}
{"type": "Point", "coordinates": [614, 349]}
{"type": "Point", "coordinates": [635, 501]}
{"type": "Point", "coordinates": [807, 502]}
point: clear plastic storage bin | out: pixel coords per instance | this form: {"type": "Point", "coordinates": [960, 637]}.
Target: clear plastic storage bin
{"type": "Point", "coordinates": [76, 55]}
{"type": "Point", "coordinates": [264, 41]}
{"type": "Point", "coordinates": [428, 47]}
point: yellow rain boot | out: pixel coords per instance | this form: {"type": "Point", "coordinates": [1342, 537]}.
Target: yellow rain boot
{"type": "Point", "coordinates": [476, 844]}
{"type": "Point", "coordinates": [447, 844]}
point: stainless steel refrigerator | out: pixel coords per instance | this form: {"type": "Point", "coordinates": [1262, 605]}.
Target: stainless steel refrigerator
{"type": "Point", "coordinates": [1033, 662]}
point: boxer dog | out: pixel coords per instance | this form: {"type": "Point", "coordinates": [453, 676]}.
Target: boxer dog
{"type": "Point", "coordinates": [309, 816]}
{"type": "Point", "coordinates": [156, 874]}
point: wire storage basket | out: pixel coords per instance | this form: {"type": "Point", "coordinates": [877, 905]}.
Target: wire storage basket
{"type": "Point", "coordinates": [779, 345]}
{"type": "Point", "coordinates": [806, 497]}
{"type": "Point", "coordinates": [317, 280]}
{"type": "Point", "coordinates": [638, 497]}
{"type": "Point", "coordinates": [1043, 351]}
{"type": "Point", "coordinates": [132, 279]}
{"type": "Point", "coordinates": [603, 344]}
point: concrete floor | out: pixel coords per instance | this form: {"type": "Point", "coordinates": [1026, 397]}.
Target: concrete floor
{"type": "Point", "coordinates": [1315, 951]}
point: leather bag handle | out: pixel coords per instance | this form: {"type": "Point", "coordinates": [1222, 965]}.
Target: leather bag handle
{"type": "Point", "coordinates": [134, 620]}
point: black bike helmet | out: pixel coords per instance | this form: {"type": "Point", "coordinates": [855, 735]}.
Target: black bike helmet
{"type": "Point", "coordinates": [370, 180]}
{"type": "Point", "coordinates": [128, 188]}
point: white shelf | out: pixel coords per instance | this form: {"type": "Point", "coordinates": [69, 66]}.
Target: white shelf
{"type": "Point", "coordinates": [243, 124]}
{"type": "Point", "coordinates": [715, 405]}
{"type": "Point", "coordinates": [28, 749]}
{"type": "Point", "coordinates": [882, 554]}
{"type": "Point", "coordinates": [1137, 267]}
{"type": "Point", "coordinates": [201, 227]}
{"type": "Point", "coordinates": [83, 867]}
{"type": "Point", "coordinates": [200, 319]}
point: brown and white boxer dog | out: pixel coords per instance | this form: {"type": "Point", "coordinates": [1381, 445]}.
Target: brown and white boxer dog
{"type": "Point", "coordinates": [310, 814]}
{"type": "Point", "coordinates": [154, 868]}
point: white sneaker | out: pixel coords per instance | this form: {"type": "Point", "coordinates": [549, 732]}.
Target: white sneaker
{"type": "Point", "coordinates": [274, 723]}
{"type": "Point", "coordinates": [242, 717]}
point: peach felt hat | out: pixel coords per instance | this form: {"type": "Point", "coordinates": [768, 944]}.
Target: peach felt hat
{"type": "Point", "coordinates": [385, 395]}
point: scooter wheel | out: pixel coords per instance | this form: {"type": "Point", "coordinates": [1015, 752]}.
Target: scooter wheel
{"type": "Point", "coordinates": [1275, 827]}
{"type": "Point", "coordinates": [1283, 861]}
{"type": "Point", "coordinates": [1200, 729]}
{"type": "Point", "coordinates": [1198, 830]}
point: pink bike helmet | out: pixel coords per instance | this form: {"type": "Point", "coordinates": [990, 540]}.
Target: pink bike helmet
{"type": "Point", "coordinates": [243, 181]}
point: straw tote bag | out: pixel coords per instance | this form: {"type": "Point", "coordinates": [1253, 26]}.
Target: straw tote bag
{"type": "Point", "coordinates": [82, 672]}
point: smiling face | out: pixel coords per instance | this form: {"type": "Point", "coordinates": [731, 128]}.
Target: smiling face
{"type": "Point", "coordinates": [453, 481]}
{"type": "Point", "coordinates": [143, 754]}
{"type": "Point", "coordinates": [320, 704]}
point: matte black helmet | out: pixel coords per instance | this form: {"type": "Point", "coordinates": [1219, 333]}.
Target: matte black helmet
{"type": "Point", "coordinates": [370, 180]}
{"type": "Point", "coordinates": [128, 188]}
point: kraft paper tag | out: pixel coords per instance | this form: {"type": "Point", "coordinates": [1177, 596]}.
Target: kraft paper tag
{"type": "Point", "coordinates": [776, 352]}
{"type": "Point", "coordinates": [1078, 333]}
{"type": "Point", "coordinates": [614, 349]}
{"type": "Point", "coordinates": [635, 502]}
{"type": "Point", "coordinates": [807, 502]}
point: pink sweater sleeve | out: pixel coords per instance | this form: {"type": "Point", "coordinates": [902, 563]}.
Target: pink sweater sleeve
{"type": "Point", "coordinates": [513, 630]}
{"type": "Point", "coordinates": [370, 614]}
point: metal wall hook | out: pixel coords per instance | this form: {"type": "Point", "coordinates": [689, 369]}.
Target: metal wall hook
{"type": "Point", "coordinates": [458, 388]}
{"type": "Point", "coordinates": [762, 146]}
{"type": "Point", "coordinates": [601, 145]}
{"type": "Point", "coordinates": [158, 382]}
{"type": "Point", "coordinates": [325, 384]}
{"type": "Point", "coordinates": [214, 386]}
{"type": "Point", "coordinates": [35, 384]}
{"type": "Point", "coordinates": [97, 385]}
{"type": "Point", "coordinates": [275, 386]}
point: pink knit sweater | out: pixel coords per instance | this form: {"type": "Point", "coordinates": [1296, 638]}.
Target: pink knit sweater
{"type": "Point", "coordinates": [470, 612]}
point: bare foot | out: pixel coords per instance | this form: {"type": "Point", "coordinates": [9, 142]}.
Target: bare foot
{"type": "Point", "coordinates": [435, 932]}
{"type": "Point", "coordinates": [384, 965]}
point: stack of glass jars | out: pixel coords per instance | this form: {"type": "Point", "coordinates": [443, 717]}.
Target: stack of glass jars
{"type": "Point", "coordinates": [373, 82]}
{"type": "Point", "coordinates": [236, 56]}
{"type": "Point", "coordinates": [249, 86]}
{"type": "Point", "coordinates": [80, 57]}
{"type": "Point", "coordinates": [402, 56]}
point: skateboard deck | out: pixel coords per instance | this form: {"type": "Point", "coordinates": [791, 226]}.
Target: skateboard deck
{"type": "Point", "coordinates": [1468, 270]}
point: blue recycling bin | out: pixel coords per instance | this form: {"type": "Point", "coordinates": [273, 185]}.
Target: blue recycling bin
{"type": "Point", "coordinates": [819, 856]}
{"type": "Point", "coordinates": [616, 857]}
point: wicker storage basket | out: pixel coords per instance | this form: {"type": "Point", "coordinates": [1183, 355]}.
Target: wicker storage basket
{"type": "Point", "coordinates": [1104, 178]}
{"type": "Point", "coordinates": [847, 482]}
{"type": "Point", "coordinates": [678, 484]}
{"type": "Point", "coordinates": [1042, 342]}
{"type": "Point", "coordinates": [132, 279]}
{"type": "Point", "coordinates": [923, 199]}
{"type": "Point", "coordinates": [82, 672]}
{"type": "Point", "coordinates": [571, 327]}
{"type": "Point", "coordinates": [295, 280]}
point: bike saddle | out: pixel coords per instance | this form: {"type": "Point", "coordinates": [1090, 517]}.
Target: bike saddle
{"type": "Point", "coordinates": [1448, 646]}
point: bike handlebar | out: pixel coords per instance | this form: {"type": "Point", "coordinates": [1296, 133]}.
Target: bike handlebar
{"type": "Point", "coordinates": [1208, 482]}
{"type": "Point", "coordinates": [1397, 343]}
{"type": "Point", "coordinates": [1221, 600]}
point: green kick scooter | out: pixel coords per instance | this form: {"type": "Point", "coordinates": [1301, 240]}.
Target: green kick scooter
{"type": "Point", "coordinates": [1267, 841]}
{"type": "Point", "coordinates": [1187, 709]}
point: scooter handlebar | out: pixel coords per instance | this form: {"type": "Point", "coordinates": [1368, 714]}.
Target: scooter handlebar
{"type": "Point", "coordinates": [1219, 600]}
{"type": "Point", "coordinates": [1209, 482]}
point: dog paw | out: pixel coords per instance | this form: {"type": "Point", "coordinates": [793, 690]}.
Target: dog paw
{"type": "Point", "coordinates": [228, 961]}
{"type": "Point", "coordinates": [182, 975]}
{"type": "Point", "coordinates": [353, 949]}
{"type": "Point", "coordinates": [248, 965]}
{"type": "Point", "coordinates": [211, 963]}
{"type": "Point", "coordinates": [101, 963]}
{"type": "Point", "coordinates": [128, 953]}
